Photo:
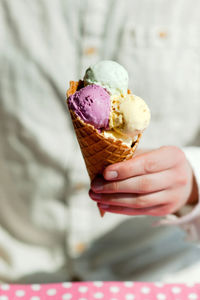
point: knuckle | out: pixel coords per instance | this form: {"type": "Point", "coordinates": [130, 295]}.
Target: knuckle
{"type": "Point", "coordinates": [163, 213]}
{"type": "Point", "coordinates": [145, 184]}
{"type": "Point", "coordinates": [165, 210]}
{"type": "Point", "coordinates": [150, 165]}
{"type": "Point", "coordinates": [140, 202]}
{"type": "Point", "coordinates": [156, 212]}
{"type": "Point", "coordinates": [178, 153]}
{"type": "Point", "coordinates": [115, 186]}
{"type": "Point", "coordinates": [170, 209]}
{"type": "Point", "coordinates": [182, 180]}
{"type": "Point", "coordinates": [175, 199]}
{"type": "Point", "coordinates": [181, 177]}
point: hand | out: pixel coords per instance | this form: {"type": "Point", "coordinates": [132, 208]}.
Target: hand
{"type": "Point", "coordinates": [157, 183]}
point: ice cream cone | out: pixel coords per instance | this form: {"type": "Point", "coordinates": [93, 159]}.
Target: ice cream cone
{"type": "Point", "coordinates": [98, 151]}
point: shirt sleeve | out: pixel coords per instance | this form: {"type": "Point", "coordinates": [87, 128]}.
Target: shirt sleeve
{"type": "Point", "coordinates": [189, 216]}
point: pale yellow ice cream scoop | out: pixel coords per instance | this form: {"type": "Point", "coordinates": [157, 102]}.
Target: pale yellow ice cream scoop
{"type": "Point", "coordinates": [135, 115]}
{"type": "Point", "coordinates": [129, 117]}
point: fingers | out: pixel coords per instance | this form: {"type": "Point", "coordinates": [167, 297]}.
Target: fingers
{"type": "Point", "coordinates": [139, 184]}
{"type": "Point", "coordinates": [132, 200]}
{"type": "Point", "coordinates": [160, 210]}
{"type": "Point", "coordinates": [150, 162]}
{"type": "Point", "coordinates": [153, 183]}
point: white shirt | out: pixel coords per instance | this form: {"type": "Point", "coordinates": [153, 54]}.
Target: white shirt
{"type": "Point", "coordinates": [46, 216]}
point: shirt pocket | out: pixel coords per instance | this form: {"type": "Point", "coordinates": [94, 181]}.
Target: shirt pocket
{"type": "Point", "coordinates": [167, 50]}
{"type": "Point", "coordinates": [164, 68]}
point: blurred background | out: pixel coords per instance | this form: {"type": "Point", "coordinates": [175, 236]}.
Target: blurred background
{"type": "Point", "coordinates": [50, 229]}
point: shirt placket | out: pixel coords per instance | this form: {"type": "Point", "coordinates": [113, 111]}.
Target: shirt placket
{"type": "Point", "coordinates": [93, 26]}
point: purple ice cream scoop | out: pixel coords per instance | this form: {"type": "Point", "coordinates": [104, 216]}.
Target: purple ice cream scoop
{"type": "Point", "coordinates": [92, 104]}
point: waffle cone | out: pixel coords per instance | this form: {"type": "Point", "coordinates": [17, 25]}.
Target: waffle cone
{"type": "Point", "coordinates": [98, 152]}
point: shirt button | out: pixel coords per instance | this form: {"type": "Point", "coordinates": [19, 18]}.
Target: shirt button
{"type": "Point", "coordinates": [80, 247]}
{"type": "Point", "coordinates": [162, 34]}
{"type": "Point", "coordinates": [90, 51]}
{"type": "Point", "coordinates": [79, 186]}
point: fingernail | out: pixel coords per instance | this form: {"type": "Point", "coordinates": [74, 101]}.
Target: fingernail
{"type": "Point", "coordinates": [97, 185]}
{"type": "Point", "coordinates": [111, 175]}
{"type": "Point", "coordinates": [104, 206]}
{"type": "Point", "coordinates": [95, 196]}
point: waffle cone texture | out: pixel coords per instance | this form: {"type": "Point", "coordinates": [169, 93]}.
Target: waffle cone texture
{"type": "Point", "coordinates": [98, 152]}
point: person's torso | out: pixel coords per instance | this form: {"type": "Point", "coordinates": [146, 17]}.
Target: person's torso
{"type": "Point", "coordinates": [46, 44]}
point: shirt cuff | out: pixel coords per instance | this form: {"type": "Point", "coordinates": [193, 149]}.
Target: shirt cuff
{"type": "Point", "coordinates": [189, 219]}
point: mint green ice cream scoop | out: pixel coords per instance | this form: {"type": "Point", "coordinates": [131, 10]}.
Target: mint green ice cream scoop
{"type": "Point", "coordinates": [108, 74]}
